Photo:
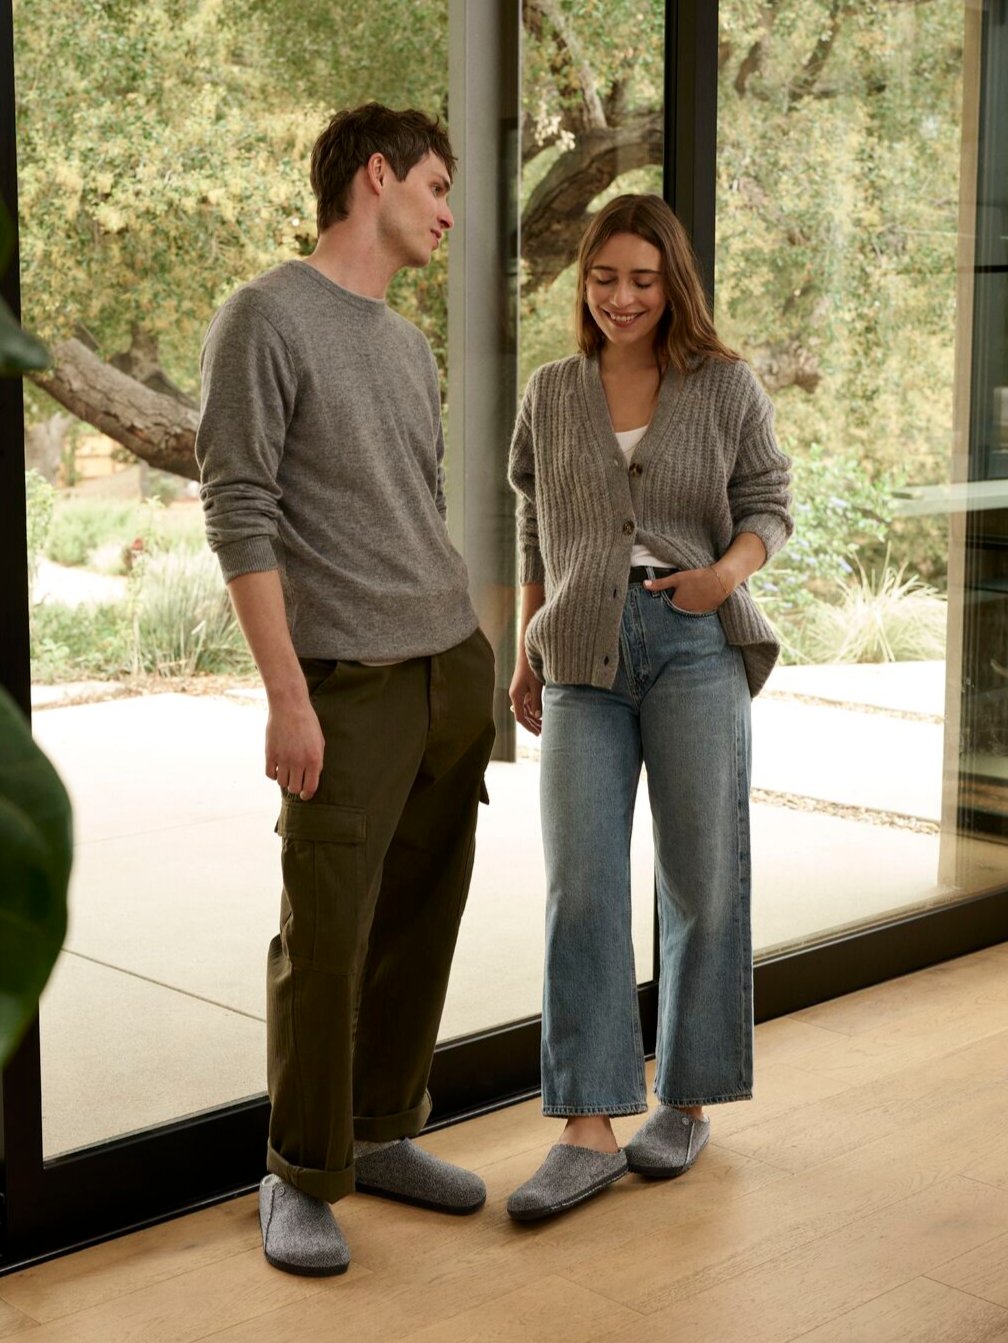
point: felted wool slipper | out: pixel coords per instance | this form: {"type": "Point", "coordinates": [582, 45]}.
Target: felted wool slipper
{"type": "Point", "coordinates": [568, 1176]}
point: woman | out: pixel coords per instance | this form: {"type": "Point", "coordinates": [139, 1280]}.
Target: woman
{"type": "Point", "coordinates": [650, 487]}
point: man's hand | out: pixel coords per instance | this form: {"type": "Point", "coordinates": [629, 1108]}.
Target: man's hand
{"type": "Point", "coordinates": [294, 747]}
{"type": "Point", "coordinates": [526, 696]}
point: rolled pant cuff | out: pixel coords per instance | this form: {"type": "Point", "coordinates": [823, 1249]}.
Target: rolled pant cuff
{"type": "Point", "coordinates": [386, 1128]}
{"type": "Point", "coordinates": [328, 1185]}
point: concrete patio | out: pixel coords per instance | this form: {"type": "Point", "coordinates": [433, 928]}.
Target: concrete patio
{"type": "Point", "coordinates": [156, 1007]}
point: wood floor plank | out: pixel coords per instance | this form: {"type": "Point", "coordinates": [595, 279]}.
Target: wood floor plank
{"type": "Point", "coordinates": [552, 1310]}
{"type": "Point", "coordinates": [920, 1311]}
{"type": "Point", "coordinates": [964, 993]}
{"type": "Point", "coordinates": [184, 1308]}
{"type": "Point", "coordinates": [861, 1197]}
{"type": "Point", "coordinates": [803, 1289]}
{"type": "Point", "coordinates": [129, 1263]}
{"type": "Point", "coordinates": [823, 1129]}
{"type": "Point", "coordinates": [983, 1271]}
{"type": "Point", "coordinates": [13, 1321]}
{"type": "Point", "coordinates": [667, 1259]}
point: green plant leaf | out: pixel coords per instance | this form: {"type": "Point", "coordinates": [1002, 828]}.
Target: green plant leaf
{"type": "Point", "coordinates": [35, 855]}
{"type": "Point", "coordinates": [20, 352]}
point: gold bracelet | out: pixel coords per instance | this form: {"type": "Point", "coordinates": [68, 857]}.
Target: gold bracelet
{"type": "Point", "coordinates": [721, 582]}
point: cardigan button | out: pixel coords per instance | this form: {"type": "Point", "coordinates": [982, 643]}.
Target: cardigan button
{"type": "Point", "coordinates": [628, 528]}
{"type": "Point", "coordinates": [605, 662]}
{"type": "Point", "coordinates": [636, 469]}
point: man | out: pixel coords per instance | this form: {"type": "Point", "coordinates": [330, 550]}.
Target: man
{"type": "Point", "coordinates": [320, 448]}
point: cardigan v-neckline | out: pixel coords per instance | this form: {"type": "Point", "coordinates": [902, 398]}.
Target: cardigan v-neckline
{"type": "Point", "coordinates": [597, 408]}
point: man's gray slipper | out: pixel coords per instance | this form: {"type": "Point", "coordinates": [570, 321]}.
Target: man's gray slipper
{"type": "Point", "coordinates": [567, 1177]}
{"type": "Point", "coordinates": [299, 1232]}
{"type": "Point", "coordinates": [406, 1173]}
{"type": "Point", "coordinates": [667, 1143]}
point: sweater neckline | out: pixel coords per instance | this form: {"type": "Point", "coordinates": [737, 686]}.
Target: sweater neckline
{"type": "Point", "coordinates": [373, 307]}
{"type": "Point", "coordinates": [598, 411]}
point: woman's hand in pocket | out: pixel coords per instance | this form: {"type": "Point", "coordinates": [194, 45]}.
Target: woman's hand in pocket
{"type": "Point", "coordinates": [696, 590]}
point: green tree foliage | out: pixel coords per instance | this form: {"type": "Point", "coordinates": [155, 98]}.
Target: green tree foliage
{"type": "Point", "coordinates": [164, 145]}
{"type": "Point", "coordinates": [163, 152]}
{"type": "Point", "coordinates": [838, 178]}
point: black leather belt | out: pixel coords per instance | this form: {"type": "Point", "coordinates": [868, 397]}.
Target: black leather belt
{"type": "Point", "coordinates": [639, 572]}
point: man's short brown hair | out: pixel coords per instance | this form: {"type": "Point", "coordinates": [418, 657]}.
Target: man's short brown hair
{"type": "Point", "coordinates": [353, 135]}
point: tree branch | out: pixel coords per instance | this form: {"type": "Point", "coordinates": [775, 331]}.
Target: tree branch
{"type": "Point", "coordinates": [569, 47]}
{"type": "Point", "coordinates": [812, 67]}
{"type": "Point", "coordinates": [156, 427]}
{"type": "Point", "coordinates": [786, 364]}
{"type": "Point", "coordinates": [554, 217]}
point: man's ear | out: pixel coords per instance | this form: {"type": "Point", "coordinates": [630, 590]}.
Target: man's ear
{"type": "Point", "coordinates": [375, 170]}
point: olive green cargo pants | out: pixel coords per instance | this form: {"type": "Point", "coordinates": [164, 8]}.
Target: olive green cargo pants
{"type": "Point", "coordinates": [376, 869]}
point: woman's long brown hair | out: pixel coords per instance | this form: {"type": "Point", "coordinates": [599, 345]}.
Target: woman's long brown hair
{"type": "Point", "coordinates": [685, 333]}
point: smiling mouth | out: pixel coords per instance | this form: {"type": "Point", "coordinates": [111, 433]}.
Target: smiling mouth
{"type": "Point", "coordinates": [437, 237]}
{"type": "Point", "coordinates": [622, 318]}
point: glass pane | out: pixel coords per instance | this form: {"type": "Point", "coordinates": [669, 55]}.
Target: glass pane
{"type": "Point", "coordinates": [592, 121]}
{"type": "Point", "coordinates": [847, 221]}
{"type": "Point", "coordinates": [163, 152]}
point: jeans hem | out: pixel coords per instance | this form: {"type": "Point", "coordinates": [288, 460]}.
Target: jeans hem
{"type": "Point", "coordinates": [327, 1185]}
{"type": "Point", "coordinates": [722, 1099]}
{"type": "Point", "coordinates": [571, 1111]}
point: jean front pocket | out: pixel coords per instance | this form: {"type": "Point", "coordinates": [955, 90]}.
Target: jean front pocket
{"type": "Point", "coordinates": [691, 615]}
{"type": "Point", "coordinates": [325, 884]}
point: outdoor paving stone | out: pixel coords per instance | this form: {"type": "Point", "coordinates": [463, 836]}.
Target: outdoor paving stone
{"type": "Point", "coordinates": [120, 1054]}
{"type": "Point", "coordinates": [45, 696]}
{"type": "Point", "coordinates": [157, 761]}
{"type": "Point", "coordinates": [176, 888]}
{"type": "Point", "coordinates": [914, 687]}
{"type": "Point", "coordinates": [814, 874]}
{"type": "Point", "coordinates": [841, 755]}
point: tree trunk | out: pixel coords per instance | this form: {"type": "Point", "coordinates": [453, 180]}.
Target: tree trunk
{"type": "Point", "coordinates": [44, 444]}
{"type": "Point", "coordinates": [158, 429]}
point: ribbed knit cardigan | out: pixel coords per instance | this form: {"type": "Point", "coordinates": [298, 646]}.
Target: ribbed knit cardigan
{"type": "Point", "coordinates": [707, 469]}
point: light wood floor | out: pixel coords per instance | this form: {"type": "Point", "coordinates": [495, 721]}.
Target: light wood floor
{"type": "Point", "coordinates": [862, 1196]}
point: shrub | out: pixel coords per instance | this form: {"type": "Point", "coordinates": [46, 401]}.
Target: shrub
{"type": "Point", "coordinates": [182, 621]}
{"type": "Point", "coordinates": [838, 511]}
{"type": "Point", "coordinates": [72, 643]}
{"type": "Point", "coordinates": [39, 500]}
{"type": "Point", "coordinates": [99, 532]}
{"type": "Point", "coordinates": [80, 526]}
{"type": "Point", "coordinates": [885, 616]}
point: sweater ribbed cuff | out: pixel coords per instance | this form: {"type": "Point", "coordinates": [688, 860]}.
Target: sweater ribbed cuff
{"type": "Point", "coordinates": [530, 567]}
{"type": "Point", "coordinates": [771, 530]}
{"type": "Point", "coordinates": [253, 555]}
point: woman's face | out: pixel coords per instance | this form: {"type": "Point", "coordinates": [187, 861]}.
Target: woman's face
{"type": "Point", "coordinates": [624, 289]}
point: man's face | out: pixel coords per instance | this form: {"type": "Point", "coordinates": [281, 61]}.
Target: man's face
{"type": "Point", "coordinates": [415, 213]}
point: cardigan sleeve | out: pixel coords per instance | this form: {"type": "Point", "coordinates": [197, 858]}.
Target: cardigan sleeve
{"type": "Point", "coordinates": [758, 493]}
{"type": "Point", "coordinates": [521, 474]}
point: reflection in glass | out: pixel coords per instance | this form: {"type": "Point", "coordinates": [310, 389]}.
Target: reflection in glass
{"type": "Point", "coordinates": [847, 207]}
{"type": "Point", "coordinates": [591, 128]}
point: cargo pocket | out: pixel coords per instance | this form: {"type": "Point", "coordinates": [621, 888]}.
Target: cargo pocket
{"type": "Point", "coordinates": [322, 859]}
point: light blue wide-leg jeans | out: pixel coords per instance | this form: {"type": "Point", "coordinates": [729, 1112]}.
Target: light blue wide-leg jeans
{"type": "Point", "coordinates": [680, 704]}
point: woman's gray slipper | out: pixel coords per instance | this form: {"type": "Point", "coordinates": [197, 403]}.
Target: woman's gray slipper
{"type": "Point", "coordinates": [406, 1173]}
{"type": "Point", "coordinates": [567, 1177]}
{"type": "Point", "coordinates": [299, 1232]}
{"type": "Point", "coordinates": [667, 1144]}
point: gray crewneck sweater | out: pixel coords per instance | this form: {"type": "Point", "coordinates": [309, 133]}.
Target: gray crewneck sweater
{"type": "Point", "coordinates": [320, 452]}
{"type": "Point", "coordinates": [707, 469]}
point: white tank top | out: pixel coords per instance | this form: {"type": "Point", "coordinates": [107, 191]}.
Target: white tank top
{"type": "Point", "coordinates": [628, 440]}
